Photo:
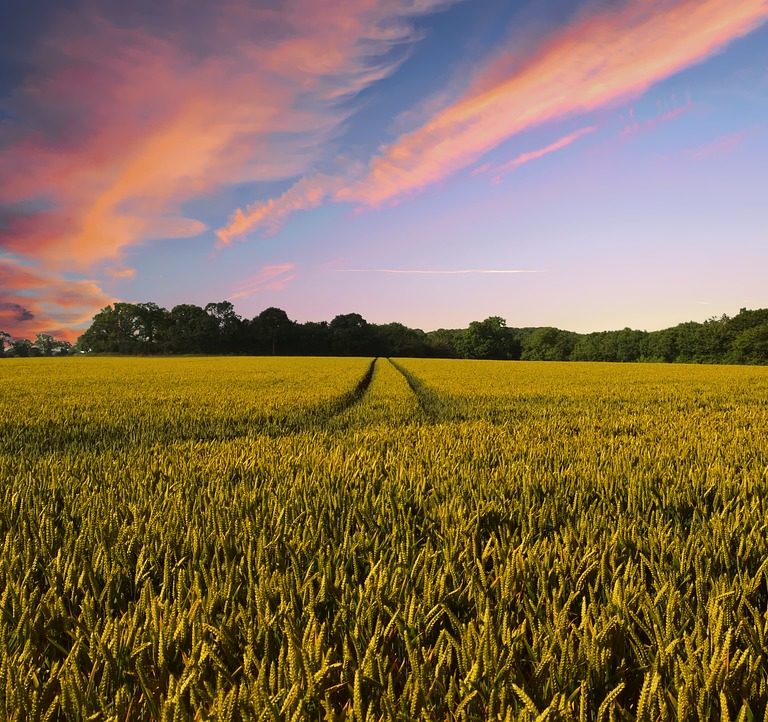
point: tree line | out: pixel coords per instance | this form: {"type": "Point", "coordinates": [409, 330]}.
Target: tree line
{"type": "Point", "coordinates": [43, 345]}
{"type": "Point", "coordinates": [149, 329]}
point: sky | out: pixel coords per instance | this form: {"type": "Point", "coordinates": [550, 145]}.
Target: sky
{"type": "Point", "coordinates": [585, 164]}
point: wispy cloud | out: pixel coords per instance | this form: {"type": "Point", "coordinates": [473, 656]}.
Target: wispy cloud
{"type": "Point", "coordinates": [722, 145]}
{"type": "Point", "coordinates": [613, 53]}
{"type": "Point", "coordinates": [603, 58]}
{"type": "Point", "coordinates": [121, 122]}
{"type": "Point", "coordinates": [439, 271]}
{"type": "Point", "coordinates": [500, 170]}
{"type": "Point", "coordinates": [637, 125]}
{"type": "Point", "coordinates": [269, 278]}
{"type": "Point", "coordinates": [307, 193]}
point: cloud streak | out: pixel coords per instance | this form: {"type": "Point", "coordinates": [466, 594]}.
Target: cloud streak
{"type": "Point", "coordinates": [440, 272]}
{"type": "Point", "coordinates": [724, 145]}
{"type": "Point", "coordinates": [270, 278]}
{"type": "Point", "coordinates": [499, 171]}
{"type": "Point", "coordinates": [636, 126]}
{"type": "Point", "coordinates": [601, 59]}
{"type": "Point", "coordinates": [309, 192]}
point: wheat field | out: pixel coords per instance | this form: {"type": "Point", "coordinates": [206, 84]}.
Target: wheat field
{"type": "Point", "coordinates": [359, 539]}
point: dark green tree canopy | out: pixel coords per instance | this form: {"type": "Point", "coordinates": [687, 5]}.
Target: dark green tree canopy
{"type": "Point", "coordinates": [490, 339]}
{"type": "Point", "coordinates": [146, 328]}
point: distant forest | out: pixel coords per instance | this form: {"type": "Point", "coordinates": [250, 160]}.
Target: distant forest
{"type": "Point", "coordinates": [148, 329]}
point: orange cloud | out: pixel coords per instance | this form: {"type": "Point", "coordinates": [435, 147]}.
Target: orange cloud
{"type": "Point", "coordinates": [269, 278]}
{"type": "Point", "coordinates": [121, 272]}
{"type": "Point", "coordinates": [122, 124]}
{"type": "Point", "coordinates": [33, 302]}
{"type": "Point", "coordinates": [307, 193]}
{"type": "Point", "coordinates": [499, 171]}
{"type": "Point", "coordinates": [601, 59]}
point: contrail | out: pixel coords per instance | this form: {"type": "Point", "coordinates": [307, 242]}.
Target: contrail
{"type": "Point", "coordinates": [436, 272]}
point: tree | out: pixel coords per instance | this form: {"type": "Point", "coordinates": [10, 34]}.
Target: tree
{"type": "Point", "coordinates": [482, 339]}
{"type": "Point", "coordinates": [395, 339]}
{"type": "Point", "coordinates": [352, 336]}
{"type": "Point", "coordinates": [746, 318]}
{"type": "Point", "coordinates": [445, 343]}
{"type": "Point", "coordinates": [22, 348]}
{"type": "Point", "coordinates": [715, 340]}
{"type": "Point", "coordinates": [151, 322]}
{"type": "Point", "coordinates": [189, 329]}
{"type": "Point", "coordinates": [45, 344]}
{"type": "Point", "coordinates": [661, 346]}
{"type": "Point", "coordinates": [126, 328]}
{"type": "Point", "coordinates": [589, 347]}
{"type": "Point", "coordinates": [549, 344]}
{"type": "Point", "coordinates": [689, 337]}
{"type": "Point", "coordinates": [490, 339]}
{"type": "Point", "coordinates": [273, 330]}
{"type": "Point", "coordinates": [229, 325]}
{"type": "Point", "coordinates": [223, 312]}
{"type": "Point", "coordinates": [313, 337]}
{"type": "Point", "coordinates": [751, 345]}
{"type": "Point", "coordinates": [628, 344]}
{"type": "Point", "coordinates": [5, 342]}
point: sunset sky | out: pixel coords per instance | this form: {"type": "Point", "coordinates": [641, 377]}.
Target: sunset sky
{"type": "Point", "coordinates": [581, 164]}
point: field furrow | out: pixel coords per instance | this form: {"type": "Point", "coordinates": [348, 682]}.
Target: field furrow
{"type": "Point", "coordinates": [387, 401]}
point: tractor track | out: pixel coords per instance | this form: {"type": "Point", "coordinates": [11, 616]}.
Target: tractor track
{"type": "Point", "coordinates": [347, 401]}
{"type": "Point", "coordinates": [429, 402]}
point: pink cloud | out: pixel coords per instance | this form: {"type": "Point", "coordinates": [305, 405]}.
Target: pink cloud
{"type": "Point", "coordinates": [601, 59]}
{"type": "Point", "coordinates": [636, 125]}
{"type": "Point", "coordinates": [33, 302]}
{"type": "Point", "coordinates": [121, 272]}
{"type": "Point", "coordinates": [499, 171]}
{"type": "Point", "coordinates": [307, 193]}
{"type": "Point", "coordinates": [269, 278]}
{"type": "Point", "coordinates": [723, 145]}
{"type": "Point", "coordinates": [314, 190]}
{"type": "Point", "coordinates": [122, 124]}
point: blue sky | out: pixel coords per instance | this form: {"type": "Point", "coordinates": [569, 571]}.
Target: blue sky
{"type": "Point", "coordinates": [586, 165]}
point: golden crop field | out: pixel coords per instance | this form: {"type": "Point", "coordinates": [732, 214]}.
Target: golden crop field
{"type": "Point", "coordinates": [301, 539]}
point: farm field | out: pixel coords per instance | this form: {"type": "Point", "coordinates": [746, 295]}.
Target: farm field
{"type": "Point", "coordinates": [350, 539]}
